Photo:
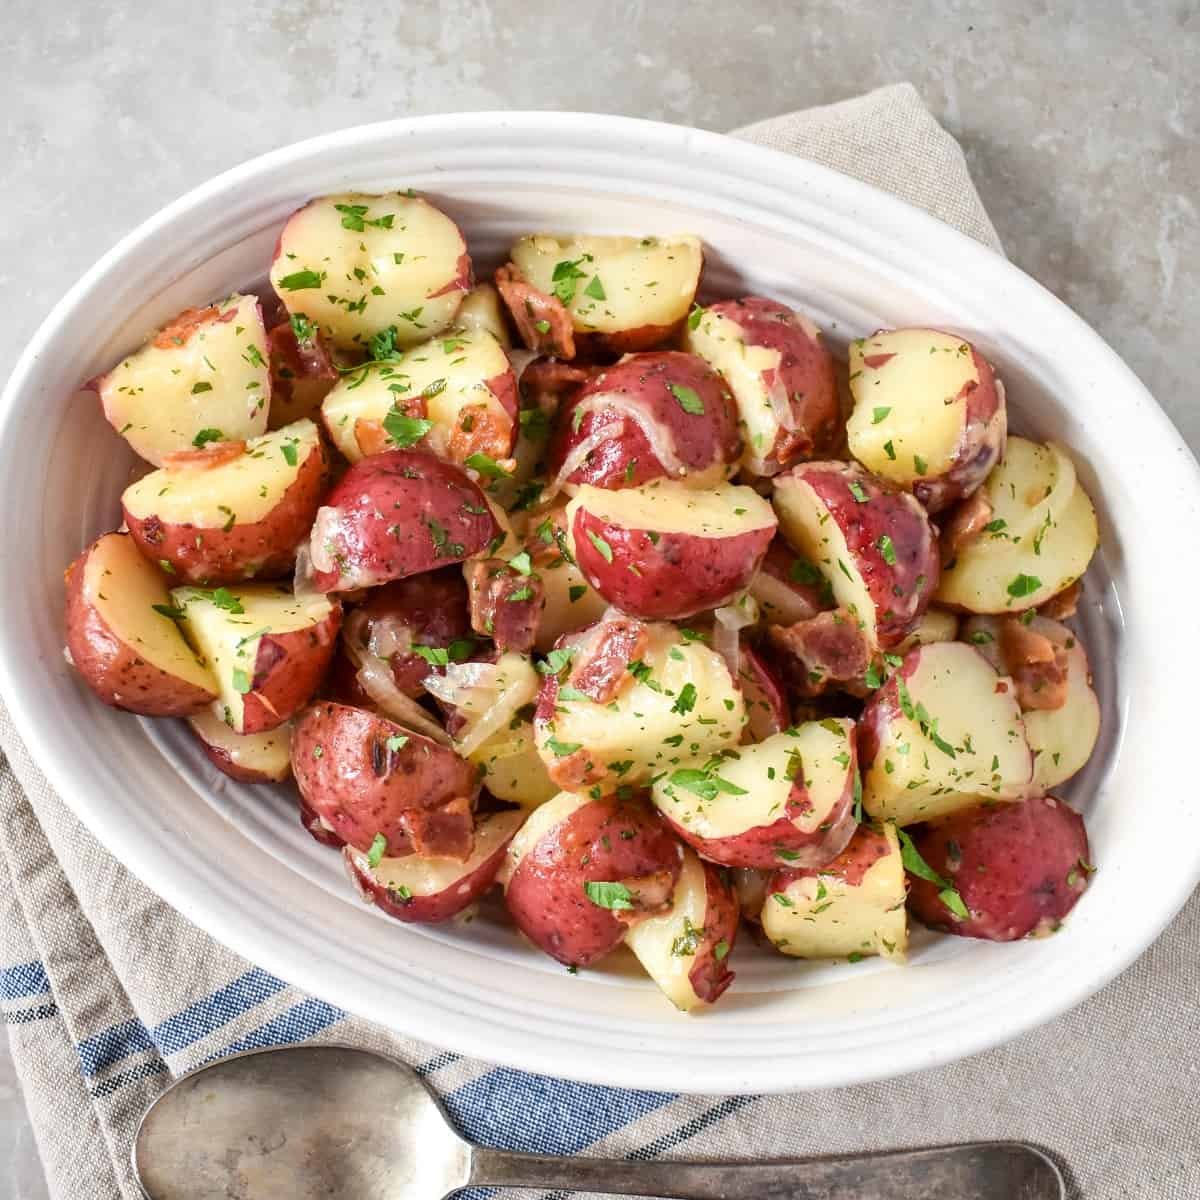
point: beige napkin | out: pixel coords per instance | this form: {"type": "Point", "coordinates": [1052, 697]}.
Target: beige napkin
{"type": "Point", "coordinates": [108, 993]}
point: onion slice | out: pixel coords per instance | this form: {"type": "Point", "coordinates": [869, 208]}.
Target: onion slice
{"type": "Point", "coordinates": [375, 678]}
{"type": "Point", "coordinates": [728, 623]}
{"type": "Point", "coordinates": [489, 694]}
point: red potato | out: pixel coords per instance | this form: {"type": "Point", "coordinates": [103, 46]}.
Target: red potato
{"type": "Point", "coordinates": [204, 374]}
{"type": "Point", "coordinates": [781, 375]}
{"type": "Point", "coordinates": [623, 293]}
{"type": "Point", "coordinates": [397, 514]}
{"type": "Point", "coordinates": [851, 907]}
{"type": "Point", "coordinates": [767, 710]}
{"type": "Point", "coordinates": [686, 949]}
{"type": "Point", "coordinates": [268, 649]}
{"type": "Point", "coordinates": [357, 264]}
{"type": "Point", "coordinates": [652, 416]}
{"type": "Point", "coordinates": [231, 512]}
{"type": "Point", "coordinates": [625, 697]}
{"type": "Point", "coordinates": [303, 370]}
{"type": "Point", "coordinates": [582, 871]}
{"type": "Point", "coordinates": [929, 413]}
{"type": "Point", "coordinates": [367, 777]}
{"type": "Point", "coordinates": [1018, 868]}
{"type": "Point", "coordinates": [246, 757]}
{"type": "Point", "coordinates": [788, 800]}
{"type": "Point", "coordinates": [788, 588]}
{"type": "Point", "coordinates": [121, 638]}
{"type": "Point", "coordinates": [666, 551]}
{"type": "Point", "coordinates": [943, 733]}
{"type": "Point", "coordinates": [873, 543]}
{"type": "Point", "coordinates": [454, 396]}
{"type": "Point", "coordinates": [428, 890]}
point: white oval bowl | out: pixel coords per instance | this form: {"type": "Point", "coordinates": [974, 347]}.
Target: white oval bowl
{"type": "Point", "coordinates": [234, 860]}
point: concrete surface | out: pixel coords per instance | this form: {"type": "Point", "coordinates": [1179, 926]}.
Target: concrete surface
{"type": "Point", "coordinates": [1079, 120]}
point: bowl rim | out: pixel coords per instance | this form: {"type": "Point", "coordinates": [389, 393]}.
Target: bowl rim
{"type": "Point", "coordinates": [895, 218]}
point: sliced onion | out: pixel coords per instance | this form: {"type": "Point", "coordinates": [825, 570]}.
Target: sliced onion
{"type": "Point", "coordinates": [375, 678]}
{"type": "Point", "coordinates": [493, 690]}
{"type": "Point", "coordinates": [728, 622]}
{"type": "Point", "coordinates": [324, 527]}
{"type": "Point", "coordinates": [575, 458]}
{"type": "Point", "coordinates": [390, 635]}
{"type": "Point", "coordinates": [781, 402]}
{"type": "Point", "coordinates": [520, 359]}
{"type": "Point", "coordinates": [789, 605]}
{"type": "Point", "coordinates": [304, 579]}
{"type": "Point", "coordinates": [460, 679]}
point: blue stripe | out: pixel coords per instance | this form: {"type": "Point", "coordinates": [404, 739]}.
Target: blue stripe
{"type": "Point", "coordinates": [24, 1016]}
{"type": "Point", "coordinates": [25, 979]}
{"type": "Point", "coordinates": [111, 1045]}
{"type": "Point", "coordinates": [301, 1021]}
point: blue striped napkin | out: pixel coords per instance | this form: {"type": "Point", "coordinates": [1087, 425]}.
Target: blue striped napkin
{"type": "Point", "coordinates": [108, 993]}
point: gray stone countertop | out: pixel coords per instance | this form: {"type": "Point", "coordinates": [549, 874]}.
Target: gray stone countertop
{"type": "Point", "coordinates": [1080, 121]}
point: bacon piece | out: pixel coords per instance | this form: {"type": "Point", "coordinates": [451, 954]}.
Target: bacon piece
{"type": "Point", "coordinates": [547, 541]}
{"type": "Point", "coordinates": [545, 381]}
{"type": "Point", "coordinates": [481, 429]}
{"type": "Point", "coordinates": [1038, 667]}
{"type": "Point", "coordinates": [602, 674]}
{"type": "Point", "coordinates": [177, 332]}
{"type": "Point", "coordinates": [1064, 605]}
{"type": "Point", "coordinates": [575, 771]}
{"type": "Point", "coordinates": [370, 434]}
{"type": "Point", "coordinates": [443, 832]}
{"type": "Point", "coordinates": [214, 454]}
{"type": "Point", "coordinates": [505, 605]}
{"type": "Point", "coordinates": [829, 650]}
{"type": "Point", "coordinates": [302, 372]}
{"type": "Point", "coordinates": [531, 308]}
{"type": "Point", "coordinates": [966, 524]}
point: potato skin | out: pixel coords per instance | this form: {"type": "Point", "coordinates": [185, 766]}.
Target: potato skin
{"type": "Point", "coordinates": [710, 975]}
{"type": "Point", "coordinates": [419, 795]}
{"type": "Point", "coordinates": [767, 710]}
{"type": "Point", "coordinates": [606, 840]}
{"type": "Point", "coordinates": [288, 669]}
{"type": "Point", "coordinates": [396, 514]}
{"type": "Point", "coordinates": [266, 549]}
{"type": "Point", "coordinates": [1019, 868]}
{"type": "Point", "coordinates": [114, 670]}
{"type": "Point", "coordinates": [707, 444]}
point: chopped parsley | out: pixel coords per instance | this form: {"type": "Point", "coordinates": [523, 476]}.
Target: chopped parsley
{"type": "Point", "coordinates": [206, 435]}
{"type": "Point", "coordinates": [608, 895]}
{"type": "Point", "coordinates": [688, 399]}
{"type": "Point", "coordinates": [914, 864]}
{"type": "Point", "coordinates": [375, 853]}
{"type": "Point", "coordinates": [403, 430]}
{"type": "Point", "coordinates": [302, 281]}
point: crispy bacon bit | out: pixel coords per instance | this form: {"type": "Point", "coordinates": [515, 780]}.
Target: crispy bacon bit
{"type": "Point", "coordinates": [575, 771]}
{"type": "Point", "coordinates": [505, 605]}
{"type": "Point", "coordinates": [183, 326]}
{"type": "Point", "coordinates": [546, 381]}
{"type": "Point", "coordinates": [443, 832]}
{"type": "Point", "coordinates": [531, 309]}
{"type": "Point", "coordinates": [547, 541]}
{"type": "Point", "coordinates": [828, 651]}
{"type": "Point", "coordinates": [482, 429]}
{"type": "Point", "coordinates": [1064, 605]}
{"type": "Point", "coordinates": [215, 454]}
{"type": "Point", "coordinates": [603, 674]}
{"type": "Point", "coordinates": [1038, 667]}
{"type": "Point", "coordinates": [966, 524]}
{"type": "Point", "coordinates": [371, 436]}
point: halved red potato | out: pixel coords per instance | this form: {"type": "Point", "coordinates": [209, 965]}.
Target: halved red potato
{"type": "Point", "coordinates": [427, 890]}
{"type": "Point", "coordinates": [943, 733]}
{"type": "Point", "coordinates": [491, 706]}
{"type": "Point", "coordinates": [230, 512]}
{"type": "Point", "coordinates": [268, 648]}
{"type": "Point", "coordinates": [357, 264]}
{"type": "Point", "coordinates": [303, 370]}
{"type": "Point", "coordinates": [122, 637]}
{"type": "Point", "coordinates": [1040, 539]}
{"type": "Point", "coordinates": [455, 396]}
{"type": "Point", "coordinates": [1054, 689]}
{"type": "Point", "coordinates": [686, 949]}
{"type": "Point", "coordinates": [788, 588]}
{"type": "Point", "coordinates": [247, 757]}
{"type": "Point", "coordinates": [367, 777]}
{"type": "Point", "coordinates": [203, 377]}
{"type": "Point", "coordinates": [786, 801]}
{"type": "Point", "coordinates": [396, 514]}
{"type": "Point", "coordinates": [667, 551]}
{"type": "Point", "coordinates": [929, 413]}
{"type": "Point", "coordinates": [873, 544]}
{"type": "Point", "coordinates": [623, 293]}
{"type": "Point", "coordinates": [481, 311]}
{"type": "Point", "coordinates": [781, 375]}
{"type": "Point", "coordinates": [582, 871]}
{"type": "Point", "coordinates": [623, 701]}
{"type": "Point", "coordinates": [851, 907]}
{"type": "Point", "coordinates": [651, 416]}
{"type": "Point", "coordinates": [1017, 868]}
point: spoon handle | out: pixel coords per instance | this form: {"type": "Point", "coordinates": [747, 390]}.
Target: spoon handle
{"type": "Point", "coordinates": [978, 1170]}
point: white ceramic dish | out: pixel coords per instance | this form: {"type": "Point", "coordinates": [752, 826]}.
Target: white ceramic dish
{"type": "Point", "coordinates": [234, 859]}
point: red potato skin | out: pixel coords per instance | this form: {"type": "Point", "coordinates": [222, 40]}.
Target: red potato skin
{"type": "Point", "coordinates": [760, 845]}
{"type": "Point", "coordinates": [397, 514]}
{"type": "Point", "coordinates": [710, 975]}
{"type": "Point", "coordinates": [680, 576]}
{"type": "Point", "coordinates": [419, 796]}
{"type": "Point", "coordinates": [437, 906]}
{"type": "Point", "coordinates": [887, 510]}
{"type": "Point", "coordinates": [1019, 868]}
{"type": "Point", "coordinates": [223, 761]}
{"type": "Point", "coordinates": [862, 852]}
{"type": "Point", "coordinates": [113, 670]}
{"type": "Point", "coordinates": [626, 459]}
{"type": "Point", "coordinates": [312, 823]}
{"type": "Point", "coordinates": [805, 371]}
{"type": "Point", "coordinates": [881, 710]}
{"type": "Point", "coordinates": [288, 670]}
{"type": "Point", "coordinates": [212, 555]}
{"type": "Point", "coordinates": [767, 707]}
{"type": "Point", "coordinates": [546, 894]}
{"type": "Point", "coordinates": [302, 373]}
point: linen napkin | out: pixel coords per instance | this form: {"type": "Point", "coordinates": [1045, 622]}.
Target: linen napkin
{"type": "Point", "coordinates": [108, 993]}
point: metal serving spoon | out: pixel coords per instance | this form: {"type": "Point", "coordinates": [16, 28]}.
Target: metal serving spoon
{"type": "Point", "coordinates": [343, 1124]}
